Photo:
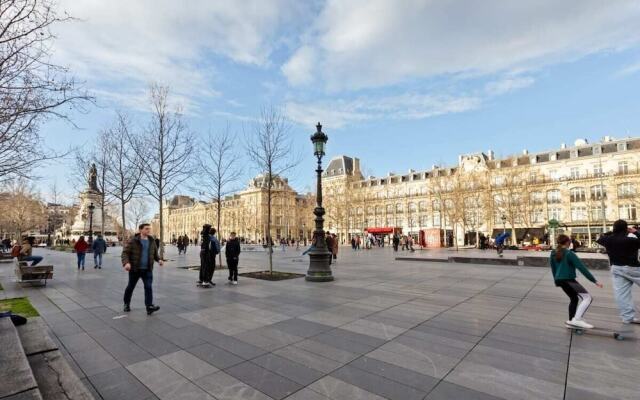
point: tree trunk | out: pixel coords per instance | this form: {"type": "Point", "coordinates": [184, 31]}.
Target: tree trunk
{"type": "Point", "coordinates": [269, 224]}
{"type": "Point", "coordinates": [161, 225]}
{"type": "Point", "coordinates": [124, 224]}
{"type": "Point", "coordinates": [219, 205]}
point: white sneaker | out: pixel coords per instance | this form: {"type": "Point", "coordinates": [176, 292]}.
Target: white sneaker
{"type": "Point", "coordinates": [578, 323]}
{"type": "Point", "coordinates": [235, 282]}
{"type": "Point", "coordinates": [633, 321]}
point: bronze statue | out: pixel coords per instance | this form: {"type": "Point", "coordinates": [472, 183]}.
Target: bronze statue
{"type": "Point", "coordinates": [93, 178]}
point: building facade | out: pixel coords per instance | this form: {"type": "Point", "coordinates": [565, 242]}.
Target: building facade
{"type": "Point", "coordinates": [583, 188]}
{"type": "Point", "coordinates": [245, 213]}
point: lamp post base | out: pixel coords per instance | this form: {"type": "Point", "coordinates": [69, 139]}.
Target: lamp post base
{"type": "Point", "coordinates": [319, 267]}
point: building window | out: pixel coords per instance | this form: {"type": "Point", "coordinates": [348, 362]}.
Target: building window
{"type": "Point", "coordinates": [437, 219]}
{"type": "Point", "coordinates": [626, 190]}
{"type": "Point", "coordinates": [555, 213]}
{"type": "Point", "coordinates": [575, 173]}
{"type": "Point", "coordinates": [498, 180]}
{"type": "Point", "coordinates": [412, 207]}
{"type": "Point", "coordinates": [597, 169]}
{"type": "Point", "coordinates": [537, 216]}
{"type": "Point", "coordinates": [553, 196]}
{"type": "Point", "coordinates": [554, 175]}
{"type": "Point", "coordinates": [537, 197]}
{"type": "Point", "coordinates": [628, 212]}
{"type": "Point", "coordinates": [598, 192]}
{"type": "Point", "coordinates": [623, 167]}
{"type": "Point", "coordinates": [577, 194]}
{"type": "Point", "coordinates": [399, 207]}
{"type": "Point", "coordinates": [597, 213]}
{"type": "Point", "coordinates": [422, 206]}
{"type": "Point", "coordinates": [578, 213]}
{"type": "Point", "coordinates": [389, 208]}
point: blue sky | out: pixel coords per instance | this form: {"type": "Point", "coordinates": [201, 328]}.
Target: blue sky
{"type": "Point", "coordinates": [399, 84]}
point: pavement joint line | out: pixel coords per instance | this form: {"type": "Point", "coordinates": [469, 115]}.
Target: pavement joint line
{"type": "Point", "coordinates": [566, 376]}
{"type": "Point", "coordinates": [492, 328]}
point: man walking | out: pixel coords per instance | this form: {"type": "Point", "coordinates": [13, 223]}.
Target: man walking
{"type": "Point", "coordinates": [622, 248]}
{"type": "Point", "coordinates": [138, 257]}
{"type": "Point", "coordinates": [99, 247]}
{"type": "Point", "coordinates": [232, 254]}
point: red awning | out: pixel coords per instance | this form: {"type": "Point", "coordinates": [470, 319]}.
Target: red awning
{"type": "Point", "coordinates": [379, 230]}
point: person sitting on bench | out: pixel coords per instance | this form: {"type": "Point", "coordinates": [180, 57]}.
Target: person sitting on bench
{"type": "Point", "coordinates": [27, 250]}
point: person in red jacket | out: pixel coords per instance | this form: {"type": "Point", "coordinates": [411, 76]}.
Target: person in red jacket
{"type": "Point", "coordinates": [81, 247]}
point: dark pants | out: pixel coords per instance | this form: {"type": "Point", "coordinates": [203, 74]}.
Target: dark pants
{"type": "Point", "coordinates": [147, 279]}
{"type": "Point", "coordinates": [500, 248]}
{"type": "Point", "coordinates": [207, 266]}
{"type": "Point", "coordinates": [81, 257]}
{"type": "Point", "coordinates": [574, 290]}
{"type": "Point", "coordinates": [232, 264]}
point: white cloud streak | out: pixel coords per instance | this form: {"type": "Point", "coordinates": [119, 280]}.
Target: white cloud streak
{"type": "Point", "coordinates": [374, 43]}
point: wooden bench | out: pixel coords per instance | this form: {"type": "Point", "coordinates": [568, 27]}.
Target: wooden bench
{"type": "Point", "coordinates": [26, 273]}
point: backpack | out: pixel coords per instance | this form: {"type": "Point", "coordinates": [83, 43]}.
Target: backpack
{"type": "Point", "coordinates": [15, 251]}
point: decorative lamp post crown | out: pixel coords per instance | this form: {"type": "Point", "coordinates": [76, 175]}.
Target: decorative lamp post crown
{"type": "Point", "coordinates": [319, 139]}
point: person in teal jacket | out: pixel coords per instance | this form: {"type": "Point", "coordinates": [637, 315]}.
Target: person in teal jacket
{"type": "Point", "coordinates": [563, 266]}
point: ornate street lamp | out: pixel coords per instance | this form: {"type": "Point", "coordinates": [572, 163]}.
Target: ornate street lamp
{"type": "Point", "coordinates": [91, 208]}
{"type": "Point", "coordinates": [49, 231]}
{"type": "Point", "coordinates": [504, 223]}
{"type": "Point", "coordinates": [319, 255]}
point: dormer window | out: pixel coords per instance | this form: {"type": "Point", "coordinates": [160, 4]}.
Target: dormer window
{"type": "Point", "coordinates": [597, 150]}
{"type": "Point", "coordinates": [553, 156]}
{"type": "Point", "coordinates": [622, 146]}
{"type": "Point", "coordinates": [573, 153]}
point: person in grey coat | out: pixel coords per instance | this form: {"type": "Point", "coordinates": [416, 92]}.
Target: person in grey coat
{"type": "Point", "coordinates": [99, 247]}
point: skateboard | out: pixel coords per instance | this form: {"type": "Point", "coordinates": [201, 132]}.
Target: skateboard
{"type": "Point", "coordinates": [616, 334]}
{"type": "Point", "coordinates": [204, 285]}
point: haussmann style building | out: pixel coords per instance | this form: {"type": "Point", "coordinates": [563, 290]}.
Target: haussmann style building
{"type": "Point", "coordinates": [579, 190]}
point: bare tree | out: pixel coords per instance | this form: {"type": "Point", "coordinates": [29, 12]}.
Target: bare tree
{"type": "Point", "coordinates": [164, 152]}
{"type": "Point", "coordinates": [269, 147]}
{"type": "Point", "coordinates": [122, 174]}
{"type": "Point", "coordinates": [31, 87]}
{"type": "Point", "coordinates": [138, 211]}
{"type": "Point", "coordinates": [22, 210]}
{"type": "Point", "coordinates": [220, 169]}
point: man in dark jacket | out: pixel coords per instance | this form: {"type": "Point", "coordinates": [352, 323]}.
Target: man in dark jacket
{"type": "Point", "coordinates": [232, 254]}
{"type": "Point", "coordinates": [622, 248]}
{"type": "Point", "coordinates": [209, 248]}
{"type": "Point", "coordinates": [99, 247]}
{"type": "Point", "coordinates": [138, 257]}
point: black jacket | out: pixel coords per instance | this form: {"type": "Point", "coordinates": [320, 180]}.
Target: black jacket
{"type": "Point", "coordinates": [232, 249]}
{"type": "Point", "coordinates": [132, 252]}
{"type": "Point", "coordinates": [621, 249]}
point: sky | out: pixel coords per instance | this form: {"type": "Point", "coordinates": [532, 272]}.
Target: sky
{"type": "Point", "coordinates": [400, 84]}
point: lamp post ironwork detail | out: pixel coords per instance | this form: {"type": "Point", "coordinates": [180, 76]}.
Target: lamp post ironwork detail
{"type": "Point", "coordinates": [91, 208]}
{"type": "Point", "coordinates": [319, 255]}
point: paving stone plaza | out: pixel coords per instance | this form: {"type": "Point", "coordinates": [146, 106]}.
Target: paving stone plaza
{"type": "Point", "coordinates": [384, 329]}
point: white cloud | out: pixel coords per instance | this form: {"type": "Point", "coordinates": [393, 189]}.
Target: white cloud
{"type": "Point", "coordinates": [406, 106]}
{"type": "Point", "coordinates": [508, 84]}
{"type": "Point", "coordinates": [629, 69]}
{"type": "Point", "coordinates": [121, 46]}
{"type": "Point", "coordinates": [374, 43]}
{"type": "Point", "coordinates": [299, 68]}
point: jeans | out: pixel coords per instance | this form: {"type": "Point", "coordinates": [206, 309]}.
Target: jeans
{"type": "Point", "coordinates": [147, 279]}
{"type": "Point", "coordinates": [35, 259]}
{"type": "Point", "coordinates": [81, 257]}
{"type": "Point", "coordinates": [623, 279]}
{"type": "Point", "coordinates": [232, 264]}
{"type": "Point", "coordinates": [97, 259]}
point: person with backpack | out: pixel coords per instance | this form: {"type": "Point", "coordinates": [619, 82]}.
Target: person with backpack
{"type": "Point", "coordinates": [209, 248]}
{"type": "Point", "coordinates": [564, 263]}
{"type": "Point", "coordinates": [99, 247]}
{"type": "Point", "coordinates": [81, 248]}
{"type": "Point", "coordinates": [622, 246]}
{"type": "Point", "coordinates": [25, 252]}
{"type": "Point", "coordinates": [232, 254]}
